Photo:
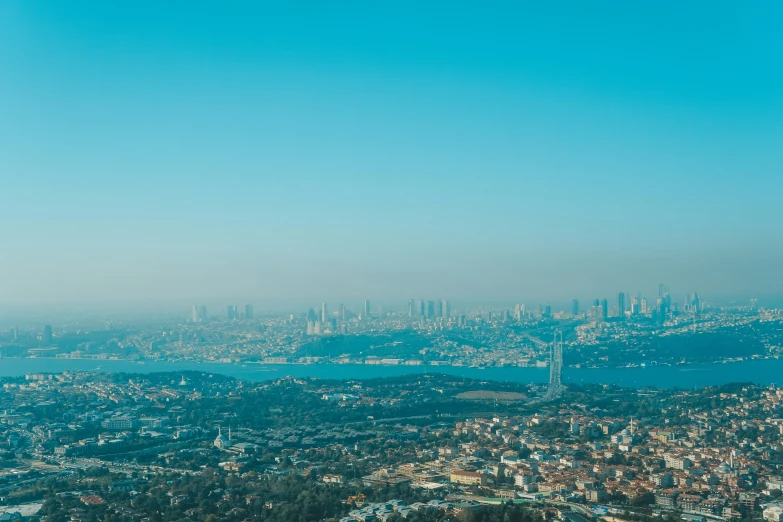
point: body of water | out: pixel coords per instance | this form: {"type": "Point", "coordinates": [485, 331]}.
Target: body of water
{"type": "Point", "coordinates": [760, 371]}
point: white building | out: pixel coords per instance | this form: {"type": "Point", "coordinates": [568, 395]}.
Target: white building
{"type": "Point", "coordinates": [118, 423]}
{"type": "Point", "coordinates": [773, 513]}
{"type": "Point", "coordinates": [221, 442]}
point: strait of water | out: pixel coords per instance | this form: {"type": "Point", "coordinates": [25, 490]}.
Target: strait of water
{"type": "Point", "coordinates": [758, 371]}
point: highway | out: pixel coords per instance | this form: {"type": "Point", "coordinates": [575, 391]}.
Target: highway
{"type": "Point", "coordinates": [127, 468]}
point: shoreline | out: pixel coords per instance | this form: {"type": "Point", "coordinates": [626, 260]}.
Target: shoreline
{"type": "Point", "coordinates": [763, 372]}
{"type": "Point", "coordinates": [641, 366]}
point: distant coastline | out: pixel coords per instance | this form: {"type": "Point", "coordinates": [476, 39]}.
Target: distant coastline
{"type": "Point", "coordinates": [760, 371]}
{"type": "Point", "coordinates": [279, 361]}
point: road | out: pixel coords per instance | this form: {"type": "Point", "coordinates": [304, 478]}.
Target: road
{"type": "Point", "coordinates": [585, 513]}
{"type": "Point", "coordinates": [115, 467]}
{"type": "Point", "coordinates": [575, 517]}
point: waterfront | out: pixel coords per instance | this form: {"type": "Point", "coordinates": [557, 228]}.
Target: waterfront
{"type": "Point", "coordinates": [769, 371]}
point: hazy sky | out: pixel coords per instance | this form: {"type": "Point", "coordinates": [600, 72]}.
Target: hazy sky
{"type": "Point", "coordinates": [199, 151]}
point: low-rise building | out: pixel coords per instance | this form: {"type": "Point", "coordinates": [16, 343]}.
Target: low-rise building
{"type": "Point", "coordinates": [468, 478]}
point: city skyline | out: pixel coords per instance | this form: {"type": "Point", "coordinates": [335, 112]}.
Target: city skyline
{"type": "Point", "coordinates": [197, 310]}
{"type": "Point", "coordinates": [648, 329]}
{"type": "Point", "coordinates": [564, 300]}
{"type": "Point", "coordinates": [624, 304]}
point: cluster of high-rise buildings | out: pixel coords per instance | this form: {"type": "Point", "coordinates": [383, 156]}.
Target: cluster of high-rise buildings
{"type": "Point", "coordinates": [627, 306]}
{"type": "Point", "coordinates": [198, 313]}
{"type": "Point", "coordinates": [336, 322]}
{"type": "Point", "coordinates": [324, 322]}
{"type": "Point", "coordinates": [637, 305]}
{"type": "Point", "coordinates": [429, 309]}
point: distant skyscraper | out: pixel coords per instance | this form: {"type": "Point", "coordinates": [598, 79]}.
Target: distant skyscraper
{"type": "Point", "coordinates": [422, 308]}
{"type": "Point", "coordinates": [232, 312]}
{"type": "Point", "coordinates": [547, 311]}
{"type": "Point", "coordinates": [595, 311]}
{"type": "Point", "coordinates": [198, 314]}
{"type": "Point", "coordinates": [324, 313]}
{"type": "Point", "coordinates": [248, 311]}
{"type": "Point", "coordinates": [430, 309]}
{"type": "Point", "coordinates": [663, 309]}
{"type": "Point", "coordinates": [604, 309]}
{"type": "Point", "coordinates": [438, 308]}
{"type": "Point", "coordinates": [342, 312]}
{"type": "Point", "coordinates": [367, 308]}
{"type": "Point", "coordinates": [310, 327]}
{"type": "Point", "coordinates": [575, 307]}
{"type": "Point", "coordinates": [311, 316]}
{"type": "Point", "coordinates": [621, 304]}
{"type": "Point", "coordinates": [644, 305]}
{"type": "Point", "coordinates": [410, 308]}
{"type": "Point", "coordinates": [446, 309]}
{"type": "Point", "coordinates": [46, 337]}
{"type": "Point", "coordinates": [697, 302]}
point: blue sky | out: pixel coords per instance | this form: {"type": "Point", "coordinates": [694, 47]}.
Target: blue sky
{"type": "Point", "coordinates": [207, 151]}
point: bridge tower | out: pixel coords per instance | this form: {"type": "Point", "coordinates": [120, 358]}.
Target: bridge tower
{"type": "Point", "coordinates": [556, 364]}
